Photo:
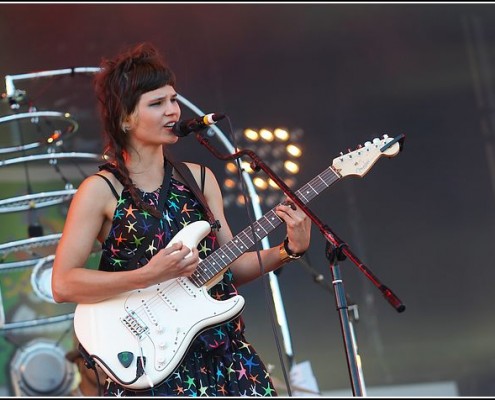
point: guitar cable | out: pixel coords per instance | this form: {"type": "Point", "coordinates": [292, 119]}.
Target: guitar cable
{"type": "Point", "coordinates": [90, 363]}
{"type": "Point", "coordinates": [265, 282]}
{"type": "Point", "coordinates": [143, 367]}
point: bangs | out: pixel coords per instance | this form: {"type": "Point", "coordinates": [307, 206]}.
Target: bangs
{"type": "Point", "coordinates": [146, 78]}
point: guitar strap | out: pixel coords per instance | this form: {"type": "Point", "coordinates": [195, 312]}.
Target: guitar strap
{"type": "Point", "coordinates": [188, 177]}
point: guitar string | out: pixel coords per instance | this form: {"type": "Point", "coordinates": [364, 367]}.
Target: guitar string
{"type": "Point", "coordinates": [201, 273]}
{"type": "Point", "coordinates": [216, 259]}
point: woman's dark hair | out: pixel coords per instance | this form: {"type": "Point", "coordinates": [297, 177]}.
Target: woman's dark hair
{"type": "Point", "coordinates": [119, 86]}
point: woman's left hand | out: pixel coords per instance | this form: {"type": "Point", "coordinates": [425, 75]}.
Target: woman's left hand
{"type": "Point", "coordinates": [298, 225]}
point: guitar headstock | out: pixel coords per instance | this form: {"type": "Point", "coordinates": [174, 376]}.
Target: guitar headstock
{"type": "Point", "coordinates": [359, 161]}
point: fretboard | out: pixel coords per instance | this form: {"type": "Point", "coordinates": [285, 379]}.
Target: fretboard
{"type": "Point", "coordinates": [212, 265]}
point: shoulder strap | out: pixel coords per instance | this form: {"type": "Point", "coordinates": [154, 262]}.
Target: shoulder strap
{"type": "Point", "coordinates": [113, 169]}
{"type": "Point", "coordinates": [188, 177]}
{"type": "Point", "coordinates": [112, 188]}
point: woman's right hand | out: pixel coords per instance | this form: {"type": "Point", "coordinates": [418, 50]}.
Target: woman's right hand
{"type": "Point", "coordinates": [171, 262]}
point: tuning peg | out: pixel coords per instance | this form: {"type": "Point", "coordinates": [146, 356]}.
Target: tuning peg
{"type": "Point", "coordinates": [367, 144]}
{"type": "Point", "coordinates": [376, 141]}
{"type": "Point", "coordinates": [385, 136]}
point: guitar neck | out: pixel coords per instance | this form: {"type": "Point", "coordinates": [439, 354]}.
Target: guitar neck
{"type": "Point", "coordinates": [216, 262]}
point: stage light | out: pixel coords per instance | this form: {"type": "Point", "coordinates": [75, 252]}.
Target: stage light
{"type": "Point", "coordinates": [260, 183]}
{"type": "Point", "coordinates": [294, 150]}
{"type": "Point", "coordinates": [246, 166]}
{"type": "Point", "coordinates": [291, 166]}
{"type": "Point", "coordinates": [281, 134]}
{"type": "Point", "coordinates": [229, 183]}
{"type": "Point", "coordinates": [251, 134]}
{"type": "Point", "coordinates": [267, 135]}
{"type": "Point", "coordinates": [231, 167]}
{"type": "Point", "coordinates": [279, 149]}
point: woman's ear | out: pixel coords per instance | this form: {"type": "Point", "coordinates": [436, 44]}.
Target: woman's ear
{"type": "Point", "coordinates": [126, 124]}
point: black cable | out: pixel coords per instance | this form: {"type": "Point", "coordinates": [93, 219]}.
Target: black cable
{"type": "Point", "coordinates": [264, 278]}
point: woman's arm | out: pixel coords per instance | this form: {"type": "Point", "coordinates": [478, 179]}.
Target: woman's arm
{"type": "Point", "coordinates": [246, 268]}
{"type": "Point", "coordinates": [89, 218]}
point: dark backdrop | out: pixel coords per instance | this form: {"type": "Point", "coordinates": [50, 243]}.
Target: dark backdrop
{"type": "Point", "coordinates": [423, 222]}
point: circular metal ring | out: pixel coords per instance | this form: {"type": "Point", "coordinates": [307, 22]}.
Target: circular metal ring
{"type": "Point", "coordinates": [40, 368]}
{"type": "Point", "coordinates": [41, 278]}
{"type": "Point", "coordinates": [19, 264]}
{"type": "Point", "coordinates": [36, 200]}
{"type": "Point", "coordinates": [24, 245]}
{"type": "Point", "coordinates": [51, 156]}
{"type": "Point", "coordinates": [19, 248]}
{"type": "Point", "coordinates": [10, 326]}
{"type": "Point", "coordinates": [54, 138]}
{"type": "Point", "coordinates": [28, 244]}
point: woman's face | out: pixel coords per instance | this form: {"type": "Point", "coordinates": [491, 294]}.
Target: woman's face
{"type": "Point", "coordinates": [155, 114]}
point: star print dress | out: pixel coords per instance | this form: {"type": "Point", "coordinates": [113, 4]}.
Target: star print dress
{"type": "Point", "coordinates": [220, 361]}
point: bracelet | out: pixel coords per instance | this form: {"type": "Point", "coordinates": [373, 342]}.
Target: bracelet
{"type": "Point", "coordinates": [286, 254]}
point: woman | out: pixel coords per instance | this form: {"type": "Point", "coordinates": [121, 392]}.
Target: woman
{"type": "Point", "coordinates": [138, 104]}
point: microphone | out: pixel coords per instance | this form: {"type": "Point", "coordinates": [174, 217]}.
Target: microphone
{"type": "Point", "coordinates": [184, 128]}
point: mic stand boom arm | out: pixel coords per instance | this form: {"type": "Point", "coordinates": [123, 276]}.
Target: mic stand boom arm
{"type": "Point", "coordinates": [331, 237]}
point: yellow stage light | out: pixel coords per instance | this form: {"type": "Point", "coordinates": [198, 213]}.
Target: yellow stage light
{"type": "Point", "coordinates": [267, 135]}
{"type": "Point", "coordinates": [291, 166]}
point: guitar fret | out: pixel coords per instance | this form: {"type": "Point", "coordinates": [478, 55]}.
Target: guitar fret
{"type": "Point", "coordinates": [312, 188]}
{"type": "Point", "coordinates": [230, 246]}
{"type": "Point", "coordinates": [225, 258]}
{"type": "Point", "coordinates": [247, 237]}
{"type": "Point", "coordinates": [222, 257]}
{"type": "Point", "coordinates": [217, 264]}
{"type": "Point", "coordinates": [274, 218]}
{"type": "Point", "coordinates": [202, 273]}
{"type": "Point", "coordinates": [302, 196]}
{"type": "Point", "coordinates": [234, 243]}
{"type": "Point", "coordinates": [322, 180]}
{"type": "Point", "coordinates": [207, 271]}
{"type": "Point", "coordinates": [195, 278]}
{"type": "Point", "coordinates": [257, 232]}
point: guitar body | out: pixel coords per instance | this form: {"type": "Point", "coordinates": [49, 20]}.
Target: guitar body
{"type": "Point", "coordinates": [158, 323]}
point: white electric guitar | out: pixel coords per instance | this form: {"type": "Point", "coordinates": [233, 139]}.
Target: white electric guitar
{"type": "Point", "coordinates": [140, 337]}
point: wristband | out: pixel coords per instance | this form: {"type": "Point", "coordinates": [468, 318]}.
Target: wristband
{"type": "Point", "coordinates": [286, 254]}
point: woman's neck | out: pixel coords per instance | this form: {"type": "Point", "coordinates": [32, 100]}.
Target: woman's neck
{"type": "Point", "coordinates": [146, 170]}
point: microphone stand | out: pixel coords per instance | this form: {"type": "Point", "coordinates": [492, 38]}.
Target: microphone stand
{"type": "Point", "coordinates": [342, 251]}
{"type": "Point", "coordinates": [343, 303]}
{"type": "Point", "coordinates": [333, 254]}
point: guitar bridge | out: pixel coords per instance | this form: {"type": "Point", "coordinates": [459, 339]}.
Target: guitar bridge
{"type": "Point", "coordinates": [136, 327]}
